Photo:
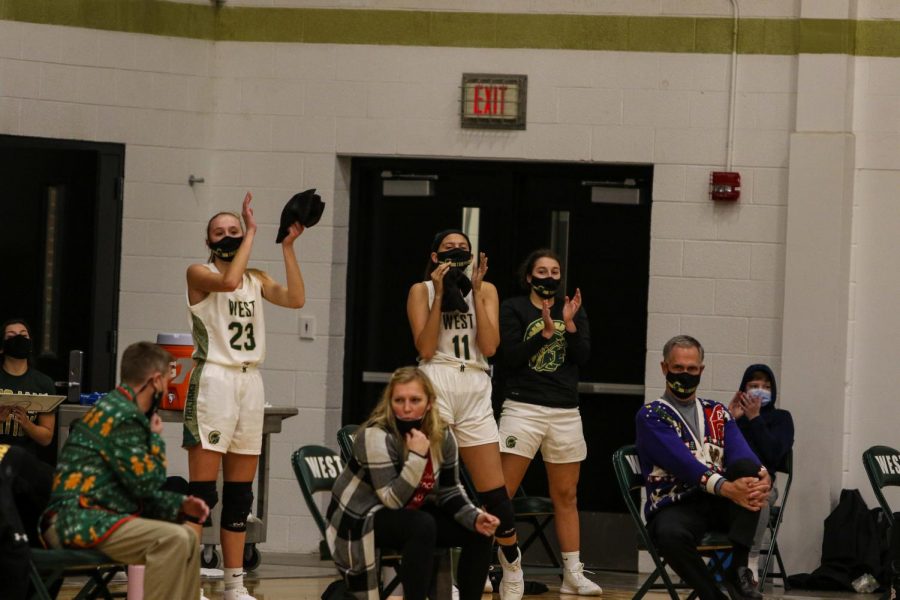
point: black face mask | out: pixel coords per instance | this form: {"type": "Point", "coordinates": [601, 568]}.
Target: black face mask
{"type": "Point", "coordinates": [226, 248]}
{"type": "Point", "coordinates": [155, 400]}
{"type": "Point", "coordinates": [682, 385]}
{"type": "Point", "coordinates": [456, 284]}
{"type": "Point", "coordinates": [458, 257]}
{"type": "Point", "coordinates": [17, 346]}
{"type": "Point", "coordinates": [405, 427]}
{"type": "Point", "coordinates": [545, 287]}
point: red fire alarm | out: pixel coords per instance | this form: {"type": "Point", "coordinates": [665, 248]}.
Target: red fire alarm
{"type": "Point", "coordinates": [725, 185]}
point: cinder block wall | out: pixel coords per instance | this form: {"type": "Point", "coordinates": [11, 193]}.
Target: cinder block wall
{"type": "Point", "coordinates": [278, 117]}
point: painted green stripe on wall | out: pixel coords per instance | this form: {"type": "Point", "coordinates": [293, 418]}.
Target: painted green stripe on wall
{"type": "Point", "coordinates": [878, 38]}
{"type": "Point", "coordinates": [460, 29]}
{"type": "Point", "coordinates": [827, 36]}
{"type": "Point", "coordinates": [133, 16]}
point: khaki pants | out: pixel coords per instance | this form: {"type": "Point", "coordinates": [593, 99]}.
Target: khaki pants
{"type": "Point", "coordinates": [168, 552]}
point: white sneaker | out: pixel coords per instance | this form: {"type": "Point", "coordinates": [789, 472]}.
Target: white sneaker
{"type": "Point", "coordinates": [512, 586]}
{"type": "Point", "coordinates": [240, 593]}
{"type": "Point", "coordinates": [574, 582]}
{"type": "Point", "coordinates": [119, 577]}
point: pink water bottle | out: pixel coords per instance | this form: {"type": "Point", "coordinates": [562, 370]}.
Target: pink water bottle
{"type": "Point", "coordinates": [135, 582]}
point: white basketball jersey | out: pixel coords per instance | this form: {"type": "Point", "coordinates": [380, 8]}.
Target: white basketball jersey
{"type": "Point", "coordinates": [456, 340]}
{"type": "Point", "coordinates": [228, 327]}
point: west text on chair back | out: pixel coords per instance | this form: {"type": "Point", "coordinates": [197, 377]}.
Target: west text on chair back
{"type": "Point", "coordinates": [345, 437]}
{"type": "Point", "coordinates": [316, 468]}
{"type": "Point", "coordinates": [882, 465]}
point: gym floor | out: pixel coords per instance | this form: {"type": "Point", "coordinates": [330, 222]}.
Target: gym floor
{"type": "Point", "coordinates": [305, 577]}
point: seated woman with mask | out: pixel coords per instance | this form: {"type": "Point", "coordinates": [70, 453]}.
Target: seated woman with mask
{"type": "Point", "coordinates": [19, 427]}
{"type": "Point", "coordinates": [401, 490]}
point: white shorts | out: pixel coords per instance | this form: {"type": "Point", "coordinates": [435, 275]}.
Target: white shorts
{"type": "Point", "coordinates": [557, 432]}
{"type": "Point", "coordinates": [224, 409]}
{"type": "Point", "coordinates": [464, 401]}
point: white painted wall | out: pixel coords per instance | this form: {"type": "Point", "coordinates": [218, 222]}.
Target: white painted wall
{"type": "Point", "coordinates": [873, 379]}
{"type": "Point", "coordinates": [275, 118]}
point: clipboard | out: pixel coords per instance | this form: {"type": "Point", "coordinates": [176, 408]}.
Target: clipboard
{"type": "Point", "coordinates": [41, 403]}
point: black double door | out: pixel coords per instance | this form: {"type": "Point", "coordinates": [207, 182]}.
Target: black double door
{"type": "Point", "coordinates": [597, 217]}
{"type": "Point", "coordinates": [61, 213]}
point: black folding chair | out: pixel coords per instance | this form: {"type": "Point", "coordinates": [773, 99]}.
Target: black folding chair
{"type": "Point", "coordinates": [536, 511]}
{"type": "Point", "coordinates": [630, 480]}
{"type": "Point", "coordinates": [882, 465]}
{"type": "Point", "coordinates": [776, 514]}
{"type": "Point", "coordinates": [316, 468]}
{"type": "Point", "coordinates": [345, 437]}
{"type": "Point", "coordinates": [49, 567]}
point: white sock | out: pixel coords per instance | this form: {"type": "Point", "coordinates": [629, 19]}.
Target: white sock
{"type": "Point", "coordinates": [234, 578]}
{"type": "Point", "coordinates": [753, 564]}
{"type": "Point", "coordinates": [571, 560]}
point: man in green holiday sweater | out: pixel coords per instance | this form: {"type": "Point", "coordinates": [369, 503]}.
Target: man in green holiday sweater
{"type": "Point", "coordinates": [107, 487]}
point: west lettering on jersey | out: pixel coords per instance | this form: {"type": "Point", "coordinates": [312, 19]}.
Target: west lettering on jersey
{"type": "Point", "coordinates": [458, 320]}
{"type": "Point", "coordinates": [241, 308]}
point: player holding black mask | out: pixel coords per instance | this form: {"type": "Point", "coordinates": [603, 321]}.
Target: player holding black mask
{"type": "Point", "coordinates": [455, 327]}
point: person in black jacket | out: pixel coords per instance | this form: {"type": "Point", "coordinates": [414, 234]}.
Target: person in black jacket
{"type": "Point", "coordinates": [768, 430]}
{"type": "Point", "coordinates": [24, 490]}
{"type": "Point", "coordinates": [544, 337]}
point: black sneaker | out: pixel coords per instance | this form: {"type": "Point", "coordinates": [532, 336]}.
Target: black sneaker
{"type": "Point", "coordinates": [741, 586]}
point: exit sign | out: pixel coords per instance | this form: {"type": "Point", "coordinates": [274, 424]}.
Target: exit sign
{"type": "Point", "coordinates": [493, 101]}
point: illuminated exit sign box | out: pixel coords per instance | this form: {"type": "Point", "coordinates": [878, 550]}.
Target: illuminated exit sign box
{"type": "Point", "coordinates": [493, 101]}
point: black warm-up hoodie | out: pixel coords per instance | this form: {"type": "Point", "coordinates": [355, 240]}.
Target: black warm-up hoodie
{"type": "Point", "coordinates": [771, 434]}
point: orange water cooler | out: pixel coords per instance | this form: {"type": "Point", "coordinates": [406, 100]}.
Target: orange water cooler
{"type": "Point", "coordinates": [181, 346]}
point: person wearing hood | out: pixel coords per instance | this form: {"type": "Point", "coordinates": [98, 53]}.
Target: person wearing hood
{"type": "Point", "coordinates": [768, 430]}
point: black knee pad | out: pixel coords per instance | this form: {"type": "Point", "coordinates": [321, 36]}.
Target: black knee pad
{"type": "Point", "coordinates": [205, 490]}
{"type": "Point", "coordinates": [237, 499]}
{"type": "Point", "coordinates": [497, 503]}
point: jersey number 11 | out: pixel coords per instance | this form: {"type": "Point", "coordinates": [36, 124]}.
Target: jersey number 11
{"type": "Point", "coordinates": [465, 346]}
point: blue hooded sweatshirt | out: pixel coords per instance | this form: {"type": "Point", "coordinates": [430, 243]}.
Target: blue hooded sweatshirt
{"type": "Point", "coordinates": [771, 434]}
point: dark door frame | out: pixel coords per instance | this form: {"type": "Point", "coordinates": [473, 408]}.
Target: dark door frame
{"type": "Point", "coordinates": [106, 253]}
{"type": "Point", "coordinates": [361, 214]}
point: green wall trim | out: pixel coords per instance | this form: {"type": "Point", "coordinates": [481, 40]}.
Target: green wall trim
{"type": "Point", "coordinates": [711, 35]}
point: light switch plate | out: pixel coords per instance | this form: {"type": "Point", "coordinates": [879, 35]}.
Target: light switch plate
{"type": "Point", "coordinates": [307, 328]}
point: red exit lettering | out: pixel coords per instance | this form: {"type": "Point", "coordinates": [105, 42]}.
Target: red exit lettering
{"type": "Point", "coordinates": [489, 100]}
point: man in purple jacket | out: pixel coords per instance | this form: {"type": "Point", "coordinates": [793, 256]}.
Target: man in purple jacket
{"type": "Point", "coordinates": [700, 475]}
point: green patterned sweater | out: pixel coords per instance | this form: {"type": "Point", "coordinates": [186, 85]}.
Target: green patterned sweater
{"type": "Point", "coordinates": [110, 471]}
